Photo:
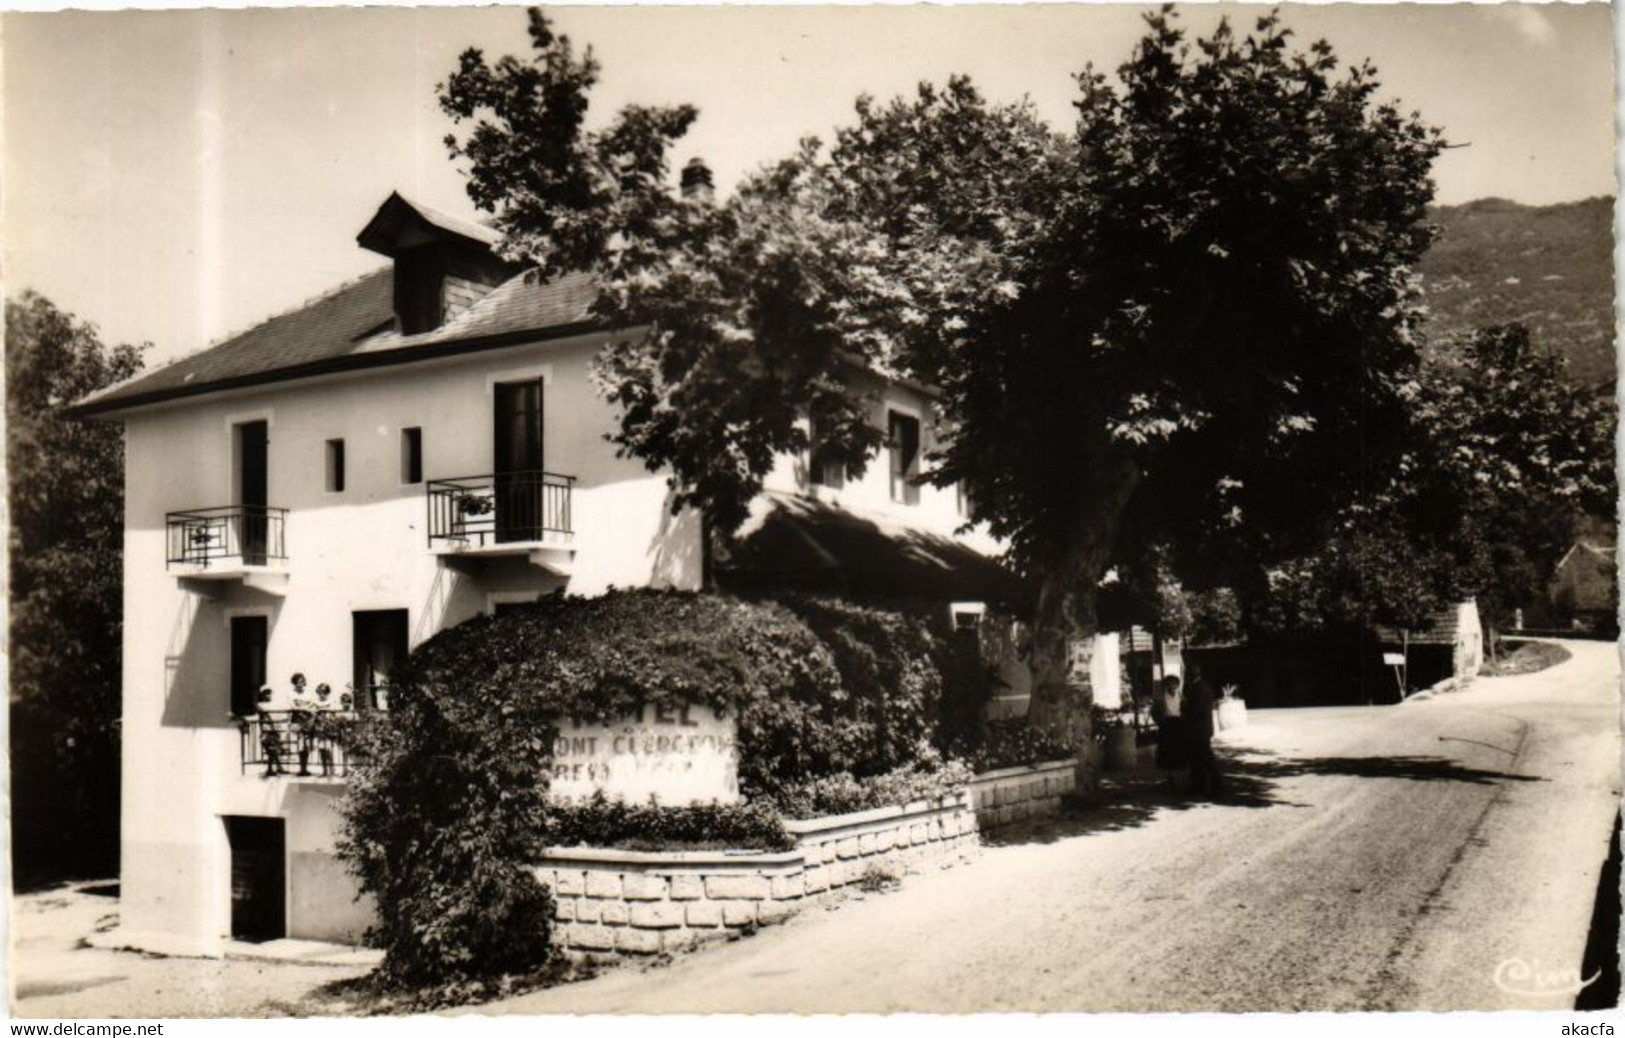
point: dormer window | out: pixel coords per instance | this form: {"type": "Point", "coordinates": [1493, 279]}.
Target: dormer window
{"type": "Point", "coordinates": [443, 265]}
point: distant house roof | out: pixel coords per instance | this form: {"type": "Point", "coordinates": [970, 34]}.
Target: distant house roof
{"type": "Point", "coordinates": [1443, 628]}
{"type": "Point", "coordinates": [1602, 553]}
{"type": "Point", "coordinates": [350, 328]}
{"type": "Point", "coordinates": [796, 542]}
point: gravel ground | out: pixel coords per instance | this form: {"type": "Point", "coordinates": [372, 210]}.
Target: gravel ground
{"type": "Point", "coordinates": [56, 976]}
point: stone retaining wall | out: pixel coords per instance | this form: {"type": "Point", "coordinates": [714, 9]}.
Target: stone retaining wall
{"type": "Point", "coordinates": [1012, 794]}
{"type": "Point", "coordinates": [612, 903]}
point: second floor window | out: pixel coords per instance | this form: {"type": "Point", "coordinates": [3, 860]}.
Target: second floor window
{"type": "Point", "coordinates": [335, 466]}
{"type": "Point", "coordinates": [903, 440]}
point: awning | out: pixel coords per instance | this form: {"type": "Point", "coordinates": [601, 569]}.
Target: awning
{"type": "Point", "coordinates": [797, 543]}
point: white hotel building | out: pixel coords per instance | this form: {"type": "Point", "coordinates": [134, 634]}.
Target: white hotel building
{"type": "Point", "coordinates": [325, 491]}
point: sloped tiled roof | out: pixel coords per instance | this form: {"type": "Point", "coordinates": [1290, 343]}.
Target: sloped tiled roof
{"type": "Point", "coordinates": [517, 305]}
{"type": "Point", "coordinates": [795, 542]}
{"type": "Point", "coordinates": [349, 328]}
{"type": "Point", "coordinates": [1443, 628]}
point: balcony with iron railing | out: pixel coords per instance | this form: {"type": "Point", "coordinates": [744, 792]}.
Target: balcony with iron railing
{"type": "Point", "coordinates": [297, 744]}
{"type": "Point", "coordinates": [506, 513]}
{"type": "Point", "coordinates": [226, 543]}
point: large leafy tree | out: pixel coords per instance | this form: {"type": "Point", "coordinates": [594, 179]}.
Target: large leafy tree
{"type": "Point", "coordinates": [1185, 322]}
{"type": "Point", "coordinates": [1504, 460]}
{"type": "Point", "coordinates": [67, 522]}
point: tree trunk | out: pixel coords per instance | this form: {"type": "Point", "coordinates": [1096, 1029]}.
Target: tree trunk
{"type": "Point", "coordinates": [1065, 615]}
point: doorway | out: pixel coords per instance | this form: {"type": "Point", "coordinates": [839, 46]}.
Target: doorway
{"type": "Point", "coordinates": [249, 635]}
{"type": "Point", "coordinates": [253, 442]}
{"type": "Point", "coordinates": [259, 876]}
{"type": "Point", "coordinates": [380, 640]}
{"type": "Point", "coordinates": [517, 451]}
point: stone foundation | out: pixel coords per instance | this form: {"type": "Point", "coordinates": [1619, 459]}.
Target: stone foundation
{"type": "Point", "coordinates": [614, 903]}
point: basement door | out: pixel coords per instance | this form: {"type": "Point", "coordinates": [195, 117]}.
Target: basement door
{"type": "Point", "coordinates": [259, 877]}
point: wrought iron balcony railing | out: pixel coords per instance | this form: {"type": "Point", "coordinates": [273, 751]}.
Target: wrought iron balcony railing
{"type": "Point", "coordinates": [250, 535]}
{"type": "Point", "coordinates": [507, 507]}
{"type": "Point", "coordinates": [297, 743]}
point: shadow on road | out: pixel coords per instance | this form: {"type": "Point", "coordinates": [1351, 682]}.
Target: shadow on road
{"type": "Point", "coordinates": [1251, 777]}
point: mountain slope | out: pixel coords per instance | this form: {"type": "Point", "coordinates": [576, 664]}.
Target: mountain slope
{"type": "Point", "coordinates": [1548, 267]}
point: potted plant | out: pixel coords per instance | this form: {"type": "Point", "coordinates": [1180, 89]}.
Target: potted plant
{"type": "Point", "coordinates": [1231, 710]}
{"type": "Point", "coordinates": [1117, 737]}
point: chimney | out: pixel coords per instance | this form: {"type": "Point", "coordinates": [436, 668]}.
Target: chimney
{"type": "Point", "coordinates": [697, 181]}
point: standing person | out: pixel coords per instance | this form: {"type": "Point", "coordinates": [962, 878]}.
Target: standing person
{"type": "Point", "coordinates": [1165, 711]}
{"type": "Point", "coordinates": [324, 728]}
{"type": "Point", "coordinates": [270, 733]}
{"type": "Point", "coordinates": [1198, 723]}
{"type": "Point", "coordinates": [303, 707]}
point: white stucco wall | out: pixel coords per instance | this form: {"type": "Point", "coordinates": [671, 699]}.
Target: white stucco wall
{"type": "Point", "coordinates": [362, 549]}
{"type": "Point", "coordinates": [366, 548]}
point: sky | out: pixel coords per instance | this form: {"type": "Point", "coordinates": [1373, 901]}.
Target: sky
{"type": "Point", "coordinates": [177, 176]}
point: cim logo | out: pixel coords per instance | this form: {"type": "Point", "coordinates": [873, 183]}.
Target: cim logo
{"type": "Point", "coordinates": [1517, 977]}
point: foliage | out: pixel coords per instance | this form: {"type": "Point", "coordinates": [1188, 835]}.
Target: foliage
{"type": "Point", "coordinates": [442, 826]}
{"type": "Point", "coordinates": [1526, 659]}
{"type": "Point", "coordinates": [1014, 742]}
{"type": "Point", "coordinates": [66, 496]}
{"type": "Point", "coordinates": [563, 195]}
{"type": "Point", "coordinates": [445, 822]}
{"type": "Point", "coordinates": [841, 793]}
{"type": "Point", "coordinates": [601, 822]}
{"type": "Point", "coordinates": [1506, 458]}
{"type": "Point", "coordinates": [1188, 322]}
{"type": "Point", "coordinates": [450, 811]}
{"type": "Point", "coordinates": [889, 667]}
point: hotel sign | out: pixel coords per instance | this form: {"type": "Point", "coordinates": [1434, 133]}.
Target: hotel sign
{"type": "Point", "coordinates": [679, 755]}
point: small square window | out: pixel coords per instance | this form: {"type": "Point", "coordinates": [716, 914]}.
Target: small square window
{"type": "Point", "coordinates": [411, 455]}
{"type": "Point", "coordinates": [335, 466]}
{"type": "Point", "coordinates": [823, 468]}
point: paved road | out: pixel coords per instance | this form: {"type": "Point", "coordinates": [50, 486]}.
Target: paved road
{"type": "Point", "coordinates": [1382, 858]}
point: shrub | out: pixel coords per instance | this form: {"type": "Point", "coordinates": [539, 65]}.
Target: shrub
{"type": "Point", "coordinates": [446, 820]}
{"type": "Point", "coordinates": [1014, 742]}
{"type": "Point", "coordinates": [601, 822]}
{"type": "Point", "coordinates": [890, 670]}
{"type": "Point", "coordinates": [441, 826]}
{"type": "Point", "coordinates": [844, 792]}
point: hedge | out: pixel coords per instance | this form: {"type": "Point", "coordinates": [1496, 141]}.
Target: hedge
{"type": "Point", "coordinates": [601, 822]}
{"type": "Point", "coordinates": [837, 708]}
{"type": "Point", "coordinates": [444, 823]}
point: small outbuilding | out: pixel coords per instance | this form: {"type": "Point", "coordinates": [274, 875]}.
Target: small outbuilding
{"type": "Point", "coordinates": [1449, 645]}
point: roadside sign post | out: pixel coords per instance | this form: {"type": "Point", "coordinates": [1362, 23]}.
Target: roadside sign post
{"type": "Point", "coordinates": [1396, 660]}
